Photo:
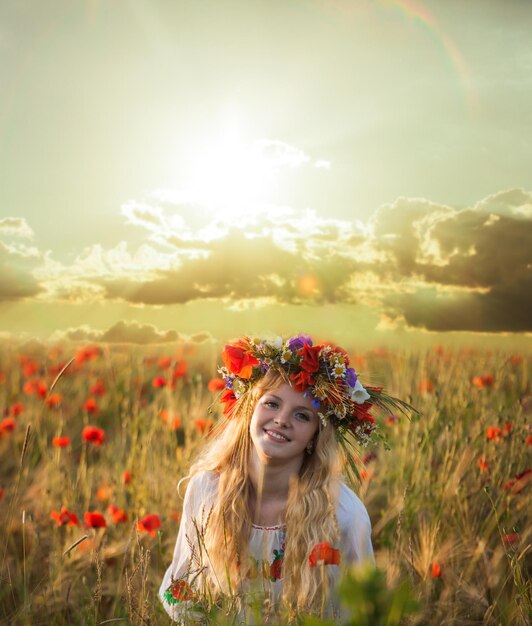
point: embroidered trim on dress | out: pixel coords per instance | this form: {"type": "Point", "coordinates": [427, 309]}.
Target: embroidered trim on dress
{"type": "Point", "coordinates": [279, 526]}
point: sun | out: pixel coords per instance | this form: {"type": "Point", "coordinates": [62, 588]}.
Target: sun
{"type": "Point", "coordinates": [230, 175]}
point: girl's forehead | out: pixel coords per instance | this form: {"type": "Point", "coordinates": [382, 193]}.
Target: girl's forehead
{"type": "Point", "coordinates": [287, 393]}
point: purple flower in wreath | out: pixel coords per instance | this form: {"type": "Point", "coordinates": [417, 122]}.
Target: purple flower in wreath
{"type": "Point", "coordinates": [297, 342]}
{"type": "Point", "coordinates": [351, 376]}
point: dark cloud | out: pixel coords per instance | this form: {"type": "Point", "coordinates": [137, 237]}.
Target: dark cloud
{"type": "Point", "coordinates": [16, 278]}
{"type": "Point", "coordinates": [486, 256]}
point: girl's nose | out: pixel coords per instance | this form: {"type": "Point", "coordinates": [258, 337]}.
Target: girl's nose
{"type": "Point", "coordinates": [282, 418]}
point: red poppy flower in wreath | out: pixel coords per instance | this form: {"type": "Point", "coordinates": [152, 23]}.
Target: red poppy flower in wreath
{"type": "Point", "coordinates": [149, 524]}
{"type": "Point", "coordinates": [310, 361]}
{"type": "Point", "coordinates": [238, 360]}
{"type": "Point", "coordinates": [94, 519]}
{"type": "Point", "coordinates": [324, 553]}
{"type": "Point", "coordinates": [93, 434]}
{"type": "Point", "coordinates": [302, 380]}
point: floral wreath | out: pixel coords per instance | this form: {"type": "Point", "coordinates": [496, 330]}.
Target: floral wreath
{"type": "Point", "coordinates": [321, 372]}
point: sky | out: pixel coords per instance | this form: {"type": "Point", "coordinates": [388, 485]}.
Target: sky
{"type": "Point", "coordinates": [355, 169]}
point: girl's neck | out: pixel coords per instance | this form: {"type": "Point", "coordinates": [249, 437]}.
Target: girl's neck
{"type": "Point", "coordinates": [271, 481]}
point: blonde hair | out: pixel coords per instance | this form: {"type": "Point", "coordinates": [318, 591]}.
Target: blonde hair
{"type": "Point", "coordinates": [310, 508]}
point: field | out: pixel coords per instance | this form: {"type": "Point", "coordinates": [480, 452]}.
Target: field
{"type": "Point", "coordinates": [109, 430]}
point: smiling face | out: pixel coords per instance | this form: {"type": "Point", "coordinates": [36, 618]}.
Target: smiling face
{"type": "Point", "coordinates": [282, 425]}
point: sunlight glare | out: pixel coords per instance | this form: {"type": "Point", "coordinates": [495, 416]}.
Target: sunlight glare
{"type": "Point", "coordinates": [231, 176]}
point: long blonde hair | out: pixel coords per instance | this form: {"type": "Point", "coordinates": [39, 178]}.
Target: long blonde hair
{"type": "Point", "coordinates": [310, 508]}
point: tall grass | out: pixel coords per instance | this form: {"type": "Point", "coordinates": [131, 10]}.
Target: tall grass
{"type": "Point", "coordinates": [449, 509]}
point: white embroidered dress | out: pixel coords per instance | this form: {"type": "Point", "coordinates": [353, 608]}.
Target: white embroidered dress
{"type": "Point", "coordinates": [266, 544]}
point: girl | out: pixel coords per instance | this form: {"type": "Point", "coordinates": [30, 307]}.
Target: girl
{"type": "Point", "coordinates": [266, 513]}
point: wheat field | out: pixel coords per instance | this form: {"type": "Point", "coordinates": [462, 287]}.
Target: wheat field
{"type": "Point", "coordinates": [93, 440]}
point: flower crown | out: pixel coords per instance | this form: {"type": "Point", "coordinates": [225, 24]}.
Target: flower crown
{"type": "Point", "coordinates": [322, 373]}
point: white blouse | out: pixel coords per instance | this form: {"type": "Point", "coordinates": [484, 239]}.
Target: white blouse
{"type": "Point", "coordinates": [266, 544]}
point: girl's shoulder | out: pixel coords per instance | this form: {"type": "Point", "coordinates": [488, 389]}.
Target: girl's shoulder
{"type": "Point", "coordinates": [350, 510]}
{"type": "Point", "coordinates": [201, 490]}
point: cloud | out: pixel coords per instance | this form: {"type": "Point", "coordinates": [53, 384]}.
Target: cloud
{"type": "Point", "coordinates": [462, 269]}
{"type": "Point", "coordinates": [16, 275]}
{"type": "Point", "coordinates": [16, 226]}
{"type": "Point", "coordinates": [124, 332]}
{"type": "Point", "coordinates": [416, 262]}
{"type": "Point", "coordinates": [241, 267]}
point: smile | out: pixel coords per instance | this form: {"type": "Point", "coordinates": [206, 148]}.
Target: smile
{"type": "Point", "coordinates": [275, 436]}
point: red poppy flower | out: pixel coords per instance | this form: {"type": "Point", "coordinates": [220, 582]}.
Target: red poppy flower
{"type": "Point", "coordinates": [164, 362]}
{"type": "Point", "coordinates": [30, 368]}
{"type": "Point", "coordinates": [493, 433]}
{"type": "Point", "coordinates": [275, 569]}
{"type": "Point", "coordinates": [425, 386]}
{"type": "Point", "coordinates": [94, 519]}
{"type": "Point", "coordinates": [54, 400]}
{"type": "Point", "coordinates": [324, 553]}
{"type": "Point", "coordinates": [510, 539]}
{"type": "Point", "coordinates": [64, 517]}
{"type": "Point", "coordinates": [216, 384]}
{"type": "Point", "coordinates": [203, 425]}
{"type": "Point", "coordinates": [158, 382]}
{"type": "Point", "coordinates": [310, 361]}
{"type": "Point", "coordinates": [126, 477]}
{"type": "Point", "coordinates": [149, 524]}
{"type": "Point", "coordinates": [238, 360]}
{"type": "Point", "coordinates": [302, 380]}
{"type": "Point", "coordinates": [98, 389]}
{"type": "Point", "coordinates": [91, 406]}
{"type": "Point", "coordinates": [181, 590]}
{"type": "Point", "coordinates": [228, 399]}
{"type": "Point", "coordinates": [391, 420]}
{"type": "Point", "coordinates": [1, 493]}
{"type": "Point", "coordinates": [87, 353]}
{"type": "Point", "coordinates": [119, 516]}
{"type": "Point", "coordinates": [483, 464]}
{"type": "Point", "coordinates": [104, 492]}
{"type": "Point", "coordinates": [174, 422]}
{"type": "Point", "coordinates": [7, 425]}
{"type": "Point", "coordinates": [93, 434]}
{"type": "Point", "coordinates": [519, 482]}
{"type": "Point", "coordinates": [507, 428]}
{"type": "Point", "coordinates": [61, 442]}
{"type": "Point", "coordinates": [483, 381]}
{"type": "Point", "coordinates": [435, 570]}
{"type": "Point", "coordinates": [528, 440]}
{"type": "Point", "coordinates": [16, 409]}
{"type": "Point", "coordinates": [180, 370]}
